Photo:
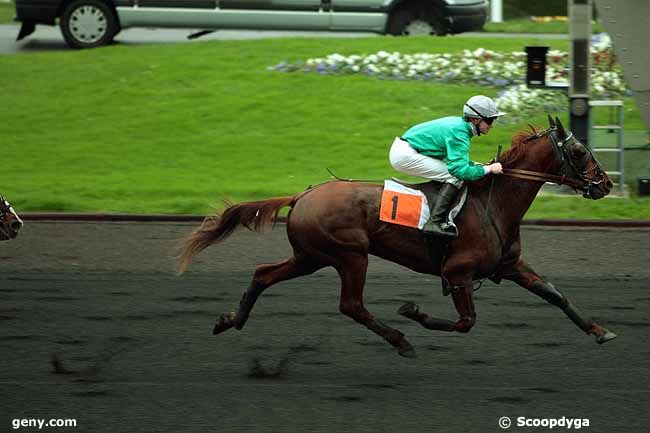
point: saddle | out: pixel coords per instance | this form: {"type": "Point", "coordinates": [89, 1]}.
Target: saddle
{"type": "Point", "coordinates": [408, 204]}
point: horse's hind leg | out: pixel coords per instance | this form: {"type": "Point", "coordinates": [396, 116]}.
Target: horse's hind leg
{"type": "Point", "coordinates": [352, 271]}
{"type": "Point", "coordinates": [463, 297]}
{"type": "Point", "coordinates": [412, 311]}
{"type": "Point", "coordinates": [523, 275]}
{"type": "Point", "coordinates": [265, 276]}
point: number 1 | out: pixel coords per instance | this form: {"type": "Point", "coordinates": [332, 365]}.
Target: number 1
{"type": "Point", "coordinates": [394, 213]}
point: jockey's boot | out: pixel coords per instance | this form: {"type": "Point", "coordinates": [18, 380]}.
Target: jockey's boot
{"type": "Point", "coordinates": [437, 224]}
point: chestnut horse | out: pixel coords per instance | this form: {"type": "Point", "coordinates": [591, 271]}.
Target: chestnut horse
{"type": "Point", "coordinates": [337, 224]}
{"type": "Point", "coordinates": [10, 223]}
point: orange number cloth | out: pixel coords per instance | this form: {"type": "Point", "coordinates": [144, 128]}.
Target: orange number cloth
{"type": "Point", "coordinates": [401, 208]}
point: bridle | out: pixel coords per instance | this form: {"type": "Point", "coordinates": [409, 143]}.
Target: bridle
{"type": "Point", "coordinates": [569, 174]}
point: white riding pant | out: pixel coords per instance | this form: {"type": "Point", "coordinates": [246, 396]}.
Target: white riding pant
{"type": "Point", "coordinates": [407, 160]}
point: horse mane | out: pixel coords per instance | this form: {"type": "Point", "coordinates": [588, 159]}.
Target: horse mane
{"type": "Point", "coordinates": [518, 149]}
{"type": "Point", "coordinates": [514, 154]}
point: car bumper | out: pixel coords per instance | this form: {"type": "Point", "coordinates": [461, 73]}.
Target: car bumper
{"type": "Point", "coordinates": [39, 12]}
{"type": "Point", "coordinates": [466, 18]}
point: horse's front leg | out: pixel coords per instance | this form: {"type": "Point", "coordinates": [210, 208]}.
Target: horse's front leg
{"type": "Point", "coordinates": [523, 275]}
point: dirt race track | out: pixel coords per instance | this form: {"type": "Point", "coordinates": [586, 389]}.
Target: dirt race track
{"type": "Point", "coordinates": [96, 326]}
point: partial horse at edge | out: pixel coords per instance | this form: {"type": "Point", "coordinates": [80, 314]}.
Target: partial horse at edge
{"type": "Point", "coordinates": [10, 222]}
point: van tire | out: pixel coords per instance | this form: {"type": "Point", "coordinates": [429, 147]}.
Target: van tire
{"type": "Point", "coordinates": [404, 20]}
{"type": "Point", "coordinates": [88, 24]}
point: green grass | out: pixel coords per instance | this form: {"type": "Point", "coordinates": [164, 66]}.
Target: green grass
{"type": "Point", "coordinates": [176, 128]}
{"type": "Point", "coordinates": [526, 25]}
{"type": "Point", "coordinates": [576, 207]}
{"type": "Point", "coordinates": [7, 13]}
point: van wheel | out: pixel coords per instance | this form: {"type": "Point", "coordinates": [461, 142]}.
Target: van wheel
{"type": "Point", "coordinates": [410, 21]}
{"type": "Point", "coordinates": [88, 24]}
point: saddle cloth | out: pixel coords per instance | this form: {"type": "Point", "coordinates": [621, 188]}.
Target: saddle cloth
{"type": "Point", "coordinates": [407, 204]}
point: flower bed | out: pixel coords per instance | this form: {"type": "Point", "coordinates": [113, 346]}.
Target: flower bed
{"type": "Point", "coordinates": [481, 66]}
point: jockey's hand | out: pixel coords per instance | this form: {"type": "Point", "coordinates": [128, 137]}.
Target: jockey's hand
{"type": "Point", "coordinates": [495, 168]}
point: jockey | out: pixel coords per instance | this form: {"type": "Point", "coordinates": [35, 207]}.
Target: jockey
{"type": "Point", "coordinates": [439, 150]}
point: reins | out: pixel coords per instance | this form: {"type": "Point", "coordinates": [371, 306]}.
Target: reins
{"type": "Point", "coordinates": [543, 177]}
{"type": "Point", "coordinates": [493, 178]}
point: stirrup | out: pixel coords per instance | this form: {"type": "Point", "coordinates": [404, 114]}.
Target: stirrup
{"type": "Point", "coordinates": [437, 229]}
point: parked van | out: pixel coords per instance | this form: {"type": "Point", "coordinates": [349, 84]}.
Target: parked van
{"type": "Point", "coordinates": [91, 23]}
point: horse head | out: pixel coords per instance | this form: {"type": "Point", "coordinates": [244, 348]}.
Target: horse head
{"type": "Point", "coordinates": [578, 162]}
{"type": "Point", "coordinates": [10, 222]}
{"type": "Point", "coordinates": [557, 156]}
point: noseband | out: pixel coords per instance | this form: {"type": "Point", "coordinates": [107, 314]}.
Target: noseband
{"type": "Point", "coordinates": [569, 173]}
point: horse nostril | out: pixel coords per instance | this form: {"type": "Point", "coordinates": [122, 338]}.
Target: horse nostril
{"type": "Point", "coordinates": [16, 225]}
{"type": "Point", "coordinates": [609, 184]}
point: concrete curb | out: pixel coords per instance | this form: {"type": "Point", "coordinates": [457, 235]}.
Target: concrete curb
{"type": "Point", "coordinates": [90, 217]}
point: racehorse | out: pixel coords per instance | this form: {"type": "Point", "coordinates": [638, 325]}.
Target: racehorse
{"type": "Point", "coordinates": [10, 223]}
{"type": "Point", "coordinates": [337, 224]}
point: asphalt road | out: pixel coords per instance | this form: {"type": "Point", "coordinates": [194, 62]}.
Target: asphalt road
{"type": "Point", "coordinates": [95, 326]}
{"type": "Point", "coordinates": [48, 38]}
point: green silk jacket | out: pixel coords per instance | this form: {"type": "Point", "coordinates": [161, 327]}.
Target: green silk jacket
{"type": "Point", "coordinates": [446, 139]}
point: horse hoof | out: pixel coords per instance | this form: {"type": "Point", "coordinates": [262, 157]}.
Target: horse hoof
{"type": "Point", "coordinates": [406, 350]}
{"type": "Point", "coordinates": [608, 336]}
{"type": "Point", "coordinates": [408, 309]}
{"type": "Point", "coordinates": [240, 321]}
{"type": "Point", "coordinates": [223, 324]}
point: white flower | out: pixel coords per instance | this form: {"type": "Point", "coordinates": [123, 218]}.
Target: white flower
{"type": "Point", "coordinates": [476, 67]}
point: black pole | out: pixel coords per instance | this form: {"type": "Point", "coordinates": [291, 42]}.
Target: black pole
{"type": "Point", "coordinates": [580, 12]}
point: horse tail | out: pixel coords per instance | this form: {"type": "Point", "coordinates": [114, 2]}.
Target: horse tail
{"type": "Point", "coordinates": [255, 216]}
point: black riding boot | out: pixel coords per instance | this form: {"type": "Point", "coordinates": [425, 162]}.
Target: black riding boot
{"type": "Point", "coordinates": [437, 224]}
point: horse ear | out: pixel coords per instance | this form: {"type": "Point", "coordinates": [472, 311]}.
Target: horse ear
{"type": "Point", "coordinates": [560, 127]}
{"type": "Point", "coordinates": [551, 123]}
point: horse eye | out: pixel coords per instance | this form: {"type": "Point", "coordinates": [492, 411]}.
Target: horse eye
{"type": "Point", "coordinates": [579, 152]}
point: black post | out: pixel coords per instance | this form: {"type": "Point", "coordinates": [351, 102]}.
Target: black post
{"type": "Point", "coordinates": [580, 12]}
{"type": "Point", "coordinates": [536, 66]}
